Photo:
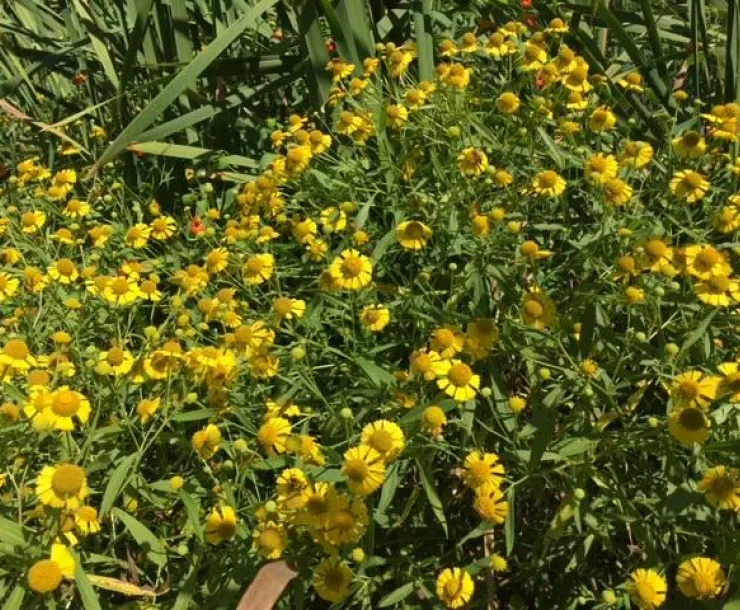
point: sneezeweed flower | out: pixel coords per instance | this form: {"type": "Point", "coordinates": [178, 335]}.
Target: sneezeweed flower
{"type": "Point", "coordinates": [718, 291]}
{"type": "Point", "coordinates": [375, 317]}
{"type": "Point", "coordinates": [422, 363]}
{"type": "Point", "coordinates": [693, 388]}
{"type": "Point", "coordinates": [482, 468]}
{"type": "Point", "coordinates": [163, 228]}
{"type": "Point", "coordinates": [385, 437]}
{"type": "Point", "coordinates": [689, 425]}
{"type": "Point", "coordinates": [138, 236]}
{"type": "Point", "coordinates": [332, 579]}
{"type": "Point", "coordinates": [351, 270]}
{"type": "Point", "coordinates": [701, 578]}
{"type": "Point", "coordinates": [490, 503]}
{"type": "Point", "coordinates": [46, 575]}
{"type": "Point", "coordinates": [63, 271]}
{"type": "Point", "coordinates": [86, 520]}
{"type": "Point", "coordinates": [62, 486]}
{"type": "Point", "coordinates": [413, 234]}
{"type": "Point", "coordinates": [364, 468]}
{"type": "Point", "coordinates": [690, 145]}
{"type": "Point", "coordinates": [207, 442]}
{"type": "Point", "coordinates": [433, 420]}
{"type": "Point", "coordinates": [270, 539]}
{"type": "Point", "coordinates": [33, 221]}
{"type": "Point", "coordinates": [632, 82]}
{"type": "Point", "coordinates": [273, 434]}
{"type": "Point", "coordinates": [600, 168]}
{"type": "Point", "coordinates": [549, 184]}
{"type": "Point", "coordinates": [634, 295]}
{"type": "Point", "coordinates": [457, 380]}
{"type": "Point", "coordinates": [721, 487]}
{"type": "Point", "coordinates": [396, 115]}
{"type": "Point", "coordinates": [602, 119]}
{"type": "Point", "coordinates": [333, 219]}
{"type": "Point", "coordinates": [286, 308]}
{"type": "Point", "coordinates": [635, 154]}
{"type": "Point", "coordinates": [689, 185]}
{"type": "Point", "coordinates": [517, 404]}
{"type": "Point", "coordinates": [221, 525]}
{"type": "Point", "coordinates": [115, 362]}
{"type": "Point", "coordinates": [8, 286]}
{"type": "Point", "coordinates": [147, 408]}
{"type": "Point", "coordinates": [121, 291]}
{"type": "Point", "coordinates": [538, 310]}
{"type": "Point", "coordinates": [657, 257]}
{"type": "Point", "coordinates": [705, 261]}
{"type": "Point", "coordinates": [258, 269]}
{"type": "Point", "coordinates": [617, 192]}
{"type": "Point", "coordinates": [531, 250]}
{"type": "Point", "coordinates": [291, 486]}
{"type": "Point", "coordinates": [455, 587]}
{"type": "Point", "coordinates": [64, 406]}
{"type": "Point", "coordinates": [472, 162]}
{"type": "Point", "coordinates": [647, 589]}
{"type": "Point", "coordinates": [508, 102]}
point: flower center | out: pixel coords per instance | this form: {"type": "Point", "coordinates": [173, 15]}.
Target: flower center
{"type": "Point", "coordinates": [459, 374]}
{"type": "Point", "coordinates": [65, 266]}
{"type": "Point", "coordinates": [414, 230]}
{"type": "Point", "coordinates": [334, 579]}
{"type": "Point", "coordinates": [693, 180]}
{"type": "Point", "coordinates": [656, 248]}
{"type": "Point", "coordinates": [66, 403]}
{"type": "Point", "coordinates": [434, 416]}
{"type": "Point", "coordinates": [16, 349]}
{"type": "Point", "coordinates": [534, 309]}
{"type": "Point", "coordinates": [719, 283]}
{"type": "Point", "coordinates": [381, 441]}
{"type": "Point", "coordinates": [548, 179]}
{"type": "Point", "coordinates": [115, 356]}
{"type": "Point", "coordinates": [352, 266]}
{"type": "Point", "coordinates": [480, 470]}
{"type": "Point", "coordinates": [707, 258]}
{"type": "Point", "coordinates": [283, 306]}
{"type": "Point", "coordinates": [372, 316]}
{"type": "Point", "coordinates": [270, 540]}
{"type": "Point", "coordinates": [226, 529]}
{"type": "Point", "coordinates": [344, 519]}
{"type": "Point", "coordinates": [119, 286]}
{"type": "Point", "coordinates": [316, 504]}
{"type": "Point", "coordinates": [67, 480]}
{"type": "Point", "coordinates": [724, 487]}
{"type": "Point", "coordinates": [691, 139]}
{"type": "Point", "coordinates": [689, 389]}
{"type": "Point", "coordinates": [357, 470]}
{"type": "Point", "coordinates": [692, 419]}
{"type": "Point", "coordinates": [254, 266]}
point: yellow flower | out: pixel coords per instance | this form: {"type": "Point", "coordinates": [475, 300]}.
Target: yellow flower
{"type": "Point", "coordinates": [286, 308]}
{"type": "Point", "coordinates": [273, 435]}
{"type": "Point", "coordinates": [258, 269]}
{"type": "Point", "coordinates": [364, 468]}
{"type": "Point", "coordinates": [423, 361]}
{"type": "Point", "coordinates": [657, 257]}
{"type": "Point", "coordinates": [704, 261]}
{"type": "Point", "coordinates": [31, 222]}
{"type": "Point", "coordinates": [63, 271]}
{"type": "Point", "coordinates": [270, 539]}
{"type": "Point", "coordinates": [690, 145]}
{"type": "Point", "coordinates": [291, 487]}
{"type": "Point", "coordinates": [693, 388]}
{"type": "Point", "coordinates": [63, 405]}
{"type": "Point", "coordinates": [533, 58]}
{"type": "Point", "coordinates": [138, 235]}
{"type": "Point", "coordinates": [86, 520]}
{"type": "Point", "coordinates": [297, 159]}
{"type": "Point", "coordinates": [617, 192]}
{"type": "Point", "coordinates": [351, 270]}
{"type": "Point", "coordinates": [602, 119]}
{"type": "Point", "coordinates": [8, 286]}
{"type": "Point", "coordinates": [490, 503]}
{"type": "Point", "coordinates": [482, 469]}
{"type": "Point", "coordinates": [701, 578]}
{"type": "Point", "coordinates": [332, 579]}
{"type": "Point", "coordinates": [207, 441]}
{"type": "Point", "coordinates": [634, 295]}
{"type": "Point", "coordinates": [530, 249]}
{"type": "Point", "coordinates": [549, 184]}
{"type": "Point", "coordinates": [62, 486]}
{"type": "Point", "coordinates": [375, 317]}
{"type": "Point", "coordinates": [455, 587]}
{"type": "Point", "coordinates": [689, 425]}
{"type": "Point", "coordinates": [600, 168]}
{"type": "Point", "coordinates": [46, 575]}
{"type": "Point", "coordinates": [538, 310]}
{"type": "Point", "coordinates": [339, 68]}
{"type": "Point", "coordinates": [472, 162]}
{"type": "Point", "coordinates": [121, 291]}
{"type": "Point", "coordinates": [396, 116]}
{"type": "Point", "coordinates": [457, 380]}
{"type": "Point", "coordinates": [718, 291]}
{"type": "Point", "coordinates": [433, 420]}
{"type": "Point", "coordinates": [632, 82]}
{"type": "Point", "coordinates": [635, 154]}
{"type": "Point", "coordinates": [577, 80]}
{"type": "Point", "coordinates": [163, 227]}
{"type": "Point", "coordinates": [147, 407]}
{"type": "Point", "coordinates": [385, 437]}
{"type": "Point", "coordinates": [508, 102]}
{"type": "Point", "coordinates": [729, 381]}
{"type": "Point", "coordinates": [468, 43]}
{"type": "Point", "coordinates": [446, 342]}
{"type": "Point", "coordinates": [517, 404]}
{"type": "Point", "coordinates": [721, 486]}
{"type": "Point", "coordinates": [689, 185]}
{"type": "Point", "coordinates": [647, 589]}
{"type": "Point", "coordinates": [263, 364]}
{"type": "Point", "coordinates": [413, 234]}
{"type": "Point", "coordinates": [15, 355]}
{"type": "Point", "coordinates": [221, 525]}
{"type": "Point", "coordinates": [115, 362]}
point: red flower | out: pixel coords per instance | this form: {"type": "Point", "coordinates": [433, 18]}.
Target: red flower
{"type": "Point", "coordinates": [79, 79]}
{"type": "Point", "coordinates": [278, 34]}
{"type": "Point", "coordinates": [331, 46]}
{"type": "Point", "coordinates": [197, 226]}
{"type": "Point", "coordinates": [527, 3]}
{"type": "Point", "coordinates": [531, 21]}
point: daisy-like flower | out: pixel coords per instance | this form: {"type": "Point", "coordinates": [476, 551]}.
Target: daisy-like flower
{"type": "Point", "coordinates": [600, 168]}
{"type": "Point", "coordinates": [602, 119]}
{"type": "Point", "coordinates": [632, 82]}
{"type": "Point", "coordinates": [455, 587]}
{"type": "Point", "coordinates": [647, 589]}
{"type": "Point", "coordinates": [385, 437]}
{"type": "Point", "coordinates": [472, 162]}
{"type": "Point", "coordinates": [207, 441]}
{"type": "Point", "coordinates": [549, 184]}
{"type": "Point", "coordinates": [270, 539]}
{"type": "Point", "coordinates": [115, 362]}
{"type": "Point", "coordinates": [273, 434]}
{"type": "Point", "coordinates": [490, 503]}
{"type": "Point", "coordinates": [508, 102]}
{"type": "Point", "coordinates": [577, 79]}
{"type": "Point", "coordinates": [221, 524]}
{"type": "Point", "coordinates": [701, 578]}
{"type": "Point", "coordinates": [46, 575]}
{"type": "Point", "coordinates": [413, 234]}
{"type": "Point", "coordinates": [446, 342]}
{"type": "Point", "coordinates": [64, 405]}
{"type": "Point", "coordinates": [86, 520]}
{"type": "Point", "coordinates": [16, 357]}
{"type": "Point", "coordinates": [364, 468]}
{"type": "Point", "coordinates": [63, 271]}
{"type": "Point", "coordinates": [482, 468]}
{"type": "Point", "coordinates": [258, 269]}
{"type": "Point", "coordinates": [457, 379]}
{"type": "Point", "coordinates": [332, 579]}
{"type": "Point", "coordinates": [333, 219]}
{"type": "Point", "coordinates": [8, 286]}
{"type": "Point", "coordinates": [617, 192]}
{"type": "Point", "coordinates": [433, 420]}
{"type": "Point", "coordinates": [705, 261]}
{"type": "Point", "coordinates": [422, 363]}
{"type": "Point", "coordinates": [62, 486]}
{"type": "Point", "coordinates": [396, 115]}
{"type": "Point", "coordinates": [635, 154]}
{"type": "Point", "coordinates": [147, 407]}
{"type": "Point", "coordinates": [121, 290]}
{"type": "Point", "coordinates": [76, 209]}
{"type": "Point", "coordinates": [138, 236]}
{"type": "Point", "coordinates": [286, 308]}
{"type": "Point", "coordinates": [657, 257]}
{"type": "Point", "coordinates": [33, 221]}
{"type": "Point", "coordinates": [693, 388]}
{"type": "Point", "coordinates": [163, 227]}
{"type": "Point", "coordinates": [538, 310]}
{"type": "Point", "coordinates": [689, 425]}
{"type": "Point", "coordinates": [291, 487]}
{"type": "Point", "coordinates": [351, 270]}
{"type": "Point", "coordinates": [690, 145]}
{"type": "Point", "coordinates": [689, 185]}
{"type": "Point", "coordinates": [721, 487]}
{"type": "Point", "coordinates": [499, 45]}
{"type": "Point", "coordinates": [728, 387]}
{"type": "Point", "coordinates": [718, 291]}
{"type": "Point", "coordinates": [375, 317]}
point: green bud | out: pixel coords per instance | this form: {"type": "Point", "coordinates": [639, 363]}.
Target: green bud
{"type": "Point", "coordinates": [609, 597]}
{"type": "Point", "coordinates": [346, 413]}
{"type": "Point", "coordinates": [641, 337]}
{"type": "Point", "coordinates": [579, 494]}
{"type": "Point", "coordinates": [672, 349]}
{"type": "Point", "coordinates": [544, 373]}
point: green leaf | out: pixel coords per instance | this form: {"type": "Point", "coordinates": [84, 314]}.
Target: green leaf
{"type": "Point", "coordinates": [164, 149]}
{"type": "Point", "coordinates": [699, 331]}
{"type": "Point", "coordinates": [11, 533]}
{"type": "Point", "coordinates": [313, 41]}
{"type": "Point", "coordinates": [431, 492]}
{"type": "Point", "coordinates": [509, 530]}
{"type": "Point", "coordinates": [195, 415]}
{"type": "Point", "coordinates": [182, 81]}
{"type": "Point", "coordinates": [422, 10]}
{"type": "Point", "coordinates": [397, 595]}
{"type": "Point", "coordinates": [377, 375]}
{"type": "Point", "coordinates": [84, 586]}
{"type": "Point", "coordinates": [390, 485]}
{"type": "Point", "coordinates": [116, 483]}
{"type": "Point", "coordinates": [15, 599]}
{"type": "Point", "coordinates": [143, 535]}
{"type": "Point", "coordinates": [192, 508]}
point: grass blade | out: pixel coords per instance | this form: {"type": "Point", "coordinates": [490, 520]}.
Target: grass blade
{"type": "Point", "coordinates": [732, 52]}
{"type": "Point", "coordinates": [313, 40]}
{"type": "Point", "coordinates": [423, 28]}
{"type": "Point", "coordinates": [184, 79]}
